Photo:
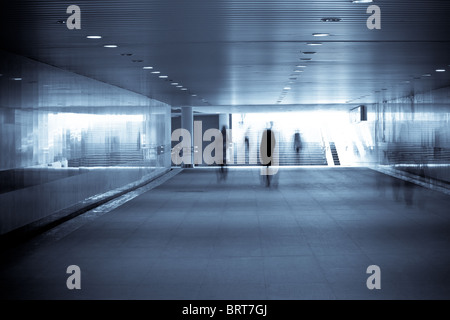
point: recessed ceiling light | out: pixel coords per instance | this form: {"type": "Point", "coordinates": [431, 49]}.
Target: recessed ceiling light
{"type": "Point", "coordinates": [440, 70]}
{"type": "Point", "coordinates": [298, 70]}
{"type": "Point", "coordinates": [426, 75]}
{"type": "Point", "coordinates": [300, 66]}
{"type": "Point", "coordinates": [184, 89]}
{"type": "Point", "coordinates": [156, 72]}
{"type": "Point", "coordinates": [147, 68]}
{"type": "Point", "coordinates": [94, 37]}
{"type": "Point", "coordinates": [163, 77]}
{"type": "Point", "coordinates": [320, 34]}
{"type": "Point", "coordinates": [194, 95]}
{"type": "Point", "coordinates": [362, 1]}
{"type": "Point", "coordinates": [287, 88]}
{"type": "Point", "coordinates": [314, 43]}
{"type": "Point", "coordinates": [174, 83]}
{"type": "Point", "coordinates": [179, 86]}
{"type": "Point", "coordinates": [110, 46]}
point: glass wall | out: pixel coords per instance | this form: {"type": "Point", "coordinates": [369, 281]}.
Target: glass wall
{"type": "Point", "coordinates": [66, 138]}
{"type": "Point", "coordinates": [413, 134]}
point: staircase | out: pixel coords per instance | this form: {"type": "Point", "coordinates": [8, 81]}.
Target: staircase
{"type": "Point", "coordinates": [311, 153]}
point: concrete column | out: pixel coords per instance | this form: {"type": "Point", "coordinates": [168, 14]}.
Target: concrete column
{"type": "Point", "coordinates": [224, 120]}
{"type": "Point", "coordinates": [187, 122]}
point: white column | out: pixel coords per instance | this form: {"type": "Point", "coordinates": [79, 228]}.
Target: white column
{"type": "Point", "coordinates": [187, 122]}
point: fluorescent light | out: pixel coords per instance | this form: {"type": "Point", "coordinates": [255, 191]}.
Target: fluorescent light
{"type": "Point", "coordinates": [174, 83]}
{"type": "Point", "coordinates": [320, 34]}
{"type": "Point", "coordinates": [147, 68]}
{"type": "Point", "coordinates": [331, 19]}
{"type": "Point", "coordinates": [298, 70]}
{"type": "Point", "coordinates": [300, 66]}
{"type": "Point", "coordinates": [163, 77]}
{"type": "Point", "coordinates": [156, 72]}
{"type": "Point", "coordinates": [440, 70]}
{"type": "Point", "coordinates": [287, 88]}
{"type": "Point", "coordinates": [94, 37]}
{"type": "Point", "coordinates": [362, 1]}
{"type": "Point", "coordinates": [314, 44]}
{"type": "Point", "coordinates": [179, 86]}
{"type": "Point", "coordinates": [426, 75]}
{"type": "Point", "coordinates": [16, 79]}
{"type": "Point", "coordinates": [194, 95]}
{"type": "Point", "coordinates": [184, 89]}
{"type": "Point", "coordinates": [110, 46]}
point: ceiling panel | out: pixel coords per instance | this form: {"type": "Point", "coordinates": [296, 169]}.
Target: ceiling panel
{"type": "Point", "coordinates": [240, 52]}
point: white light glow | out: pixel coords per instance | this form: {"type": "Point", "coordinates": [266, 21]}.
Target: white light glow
{"type": "Point", "coordinates": [94, 37]}
{"type": "Point", "coordinates": [318, 127]}
{"type": "Point", "coordinates": [110, 46]}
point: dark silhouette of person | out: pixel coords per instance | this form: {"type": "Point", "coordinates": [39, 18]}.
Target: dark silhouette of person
{"type": "Point", "coordinates": [266, 149]}
{"type": "Point", "coordinates": [247, 144]}
{"type": "Point", "coordinates": [222, 170]}
{"type": "Point", "coordinates": [297, 142]}
{"type": "Point", "coordinates": [224, 145]}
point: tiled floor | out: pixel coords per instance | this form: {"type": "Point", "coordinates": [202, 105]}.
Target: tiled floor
{"type": "Point", "coordinates": [310, 236]}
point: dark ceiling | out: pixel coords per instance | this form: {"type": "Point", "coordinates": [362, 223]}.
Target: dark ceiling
{"type": "Point", "coordinates": [236, 52]}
